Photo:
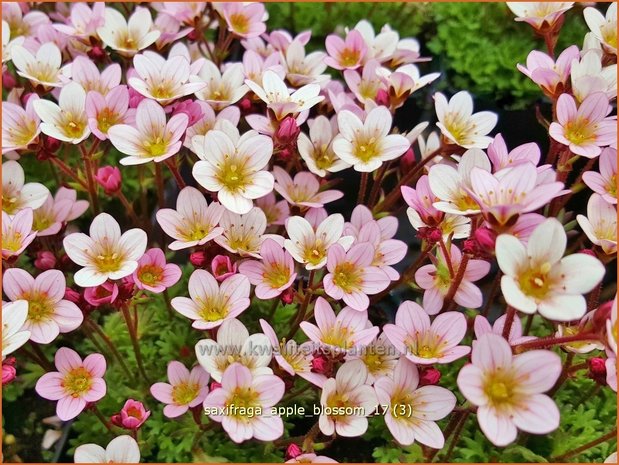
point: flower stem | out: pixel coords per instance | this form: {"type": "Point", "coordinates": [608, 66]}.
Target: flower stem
{"type": "Point", "coordinates": [298, 318]}
{"type": "Point", "coordinates": [134, 342]}
{"type": "Point", "coordinates": [101, 418]}
{"type": "Point", "coordinates": [456, 436]}
{"type": "Point", "coordinates": [66, 169]}
{"type": "Point", "coordinates": [90, 176]}
{"type": "Point", "coordinates": [589, 445]}
{"type": "Point", "coordinates": [97, 329]}
{"type": "Point", "coordinates": [496, 282]}
{"type": "Point", "coordinates": [128, 207]}
{"type": "Point", "coordinates": [553, 341]}
{"type": "Point", "coordinates": [177, 175]}
{"type": "Point", "coordinates": [564, 374]}
{"type": "Point", "coordinates": [376, 184]}
{"type": "Point", "coordinates": [455, 284]}
{"type": "Point", "coordinates": [362, 188]}
{"type": "Point", "coordinates": [509, 321]}
{"type": "Point", "coordinates": [160, 186]}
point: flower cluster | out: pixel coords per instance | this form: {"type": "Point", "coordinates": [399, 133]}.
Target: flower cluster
{"type": "Point", "coordinates": [215, 161]}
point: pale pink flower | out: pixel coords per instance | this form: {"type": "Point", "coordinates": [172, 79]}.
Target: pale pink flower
{"type": "Point", "coordinates": [235, 168]}
{"type": "Point", "coordinates": [49, 218]}
{"type": "Point", "coordinates": [170, 29]}
{"type": "Point", "coordinates": [20, 127]}
{"type": "Point", "coordinates": [450, 184]}
{"type": "Point", "coordinates": [600, 224]}
{"type": "Point", "coordinates": [349, 389]}
{"type": "Point", "coordinates": [67, 120]}
{"type": "Point", "coordinates": [274, 92]}
{"type": "Point", "coordinates": [302, 68]}
{"type": "Point", "coordinates": [552, 76]}
{"type": "Point", "coordinates": [208, 121]}
{"type": "Point", "coordinates": [589, 76]}
{"type": "Point", "coordinates": [350, 330]}
{"type": "Point", "coordinates": [380, 357]}
{"type": "Point", "coordinates": [194, 222]}
{"type": "Point", "coordinates": [537, 278]}
{"type": "Point", "coordinates": [309, 245]}
{"type": "Point", "coordinates": [16, 194]}
{"type": "Point", "coordinates": [460, 125]}
{"type": "Point", "coordinates": [412, 411]}
{"type": "Point", "coordinates": [603, 27]}
{"type": "Point", "coordinates": [317, 149]}
{"type": "Point", "coordinates": [587, 128]}
{"type": "Point", "coordinates": [256, 394]}
{"type": "Point", "coordinates": [604, 182]}
{"type": "Point", "coordinates": [436, 280]}
{"type": "Point", "coordinates": [121, 449]}
{"type": "Point", "coordinates": [78, 207]}
{"type": "Point", "coordinates": [244, 234]}
{"type": "Point", "coordinates": [20, 23]}
{"type": "Point", "coordinates": [128, 37]}
{"type": "Point", "coordinates": [304, 190]}
{"type": "Point", "coordinates": [361, 215]}
{"type": "Point", "coordinates": [367, 84]}
{"type": "Point", "coordinates": [348, 53]}
{"type": "Point", "coordinates": [154, 274]}
{"type": "Point", "coordinates": [351, 275]}
{"type": "Point", "coordinates": [106, 111]}
{"type": "Point", "coordinates": [17, 233]}
{"type": "Point", "coordinates": [501, 158]}
{"type": "Point", "coordinates": [424, 343]}
{"type": "Point", "coordinates": [234, 344]}
{"type": "Point", "coordinates": [222, 90]}
{"type": "Point", "coordinates": [276, 212]}
{"type": "Point", "coordinates": [404, 81]}
{"type": "Point", "coordinates": [153, 139]}
{"type": "Point", "coordinates": [313, 458]}
{"type": "Point", "coordinates": [293, 358]}
{"type": "Point", "coordinates": [163, 80]}
{"type": "Point", "coordinates": [482, 326]}
{"type": "Point", "coordinates": [83, 21]}
{"type": "Point", "coordinates": [222, 267]}
{"type": "Point", "coordinates": [512, 191]}
{"type": "Point", "coordinates": [14, 316]}
{"type": "Point", "coordinates": [274, 274]}
{"type": "Point", "coordinates": [508, 389]}
{"type": "Point", "coordinates": [75, 383]}
{"type": "Point", "coordinates": [106, 253]}
{"type": "Point", "coordinates": [381, 46]}
{"type": "Point", "coordinates": [244, 20]}
{"type": "Point", "coordinates": [83, 71]}
{"type": "Point", "coordinates": [41, 68]}
{"type": "Point", "coordinates": [540, 15]}
{"type": "Point", "coordinates": [186, 389]}
{"type": "Point", "coordinates": [185, 12]}
{"type": "Point", "coordinates": [211, 303]}
{"type": "Point", "coordinates": [367, 144]}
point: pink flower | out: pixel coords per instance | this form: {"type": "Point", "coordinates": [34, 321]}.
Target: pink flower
{"type": "Point", "coordinates": [256, 395]}
{"type": "Point", "coordinates": [603, 27]}
{"type": "Point", "coordinates": [412, 411]}
{"type": "Point", "coordinates": [186, 389]}
{"type": "Point", "coordinates": [109, 110]}
{"type": "Point", "coordinates": [552, 76]}
{"type": "Point", "coordinates": [128, 36]}
{"type": "Point", "coordinates": [274, 274]}
{"type": "Point", "coordinates": [604, 182]}
{"type": "Point", "coordinates": [106, 253]}
{"type": "Point", "coordinates": [540, 15]}
{"type": "Point", "coordinates": [153, 139]}
{"type": "Point", "coordinates": [17, 233]}
{"type": "Point", "coordinates": [311, 458]}
{"type": "Point", "coordinates": [501, 158]}
{"type": "Point", "coordinates": [16, 194]}
{"type": "Point", "coordinates": [508, 389]}
{"type": "Point", "coordinates": [75, 383]}
{"type": "Point", "coordinates": [104, 294]}
{"type": "Point", "coordinates": [482, 326]}
{"type": "Point", "coordinates": [20, 127]}
{"type": "Point", "coordinates": [367, 144]}
{"type": "Point", "coordinates": [424, 343]}
{"type": "Point", "coordinates": [48, 313]}
{"type": "Point", "coordinates": [351, 275]}
{"type": "Point", "coordinates": [83, 21]}
{"type": "Point", "coordinates": [8, 371]}
{"type": "Point", "coordinates": [537, 278]}
{"type": "Point", "coordinates": [121, 449]}
{"type": "Point", "coordinates": [154, 274]}
{"type": "Point", "coordinates": [49, 218]}
{"type": "Point", "coordinates": [303, 68]}
{"type": "Point", "coordinates": [222, 267]}
{"type": "Point", "coordinates": [244, 234]}
{"type": "Point", "coordinates": [109, 178]}
{"type": "Point", "coordinates": [350, 330]}
{"type": "Point", "coordinates": [317, 149]}
{"type": "Point", "coordinates": [194, 222]}
{"type": "Point", "coordinates": [222, 90]}
{"type": "Point", "coordinates": [600, 224]}
{"type": "Point", "coordinates": [244, 20]}
{"type": "Point", "coordinates": [436, 280]}
{"type": "Point", "coordinates": [42, 67]}
{"type": "Point", "coordinates": [210, 303]}
{"type": "Point", "coordinates": [78, 207]}
{"type": "Point", "coordinates": [293, 358]}
{"type": "Point", "coordinates": [163, 80]}
{"type": "Point", "coordinates": [131, 416]}
{"type": "Point", "coordinates": [345, 54]}
{"type": "Point", "coordinates": [303, 191]}
{"type": "Point", "coordinates": [207, 121]}
{"type": "Point", "coordinates": [193, 110]}
{"type": "Point", "coordinates": [83, 71]}
{"type": "Point", "coordinates": [380, 357]}
{"type": "Point", "coordinates": [587, 128]}
{"type": "Point", "coordinates": [349, 389]}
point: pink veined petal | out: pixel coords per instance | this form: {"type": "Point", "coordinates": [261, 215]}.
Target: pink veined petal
{"type": "Point", "coordinates": [97, 390]}
{"type": "Point", "coordinates": [50, 386]}
{"type": "Point", "coordinates": [177, 373]}
{"type": "Point", "coordinates": [67, 359]}
{"type": "Point", "coordinates": [491, 351]}
{"type": "Point", "coordinates": [428, 433]}
{"type": "Point", "coordinates": [536, 370]}
{"type": "Point", "coordinates": [162, 392]}
{"type": "Point", "coordinates": [70, 407]}
{"type": "Point", "coordinates": [95, 364]}
{"type": "Point", "coordinates": [450, 327]}
{"type": "Point", "coordinates": [236, 375]}
{"type": "Point", "coordinates": [412, 318]}
{"type": "Point", "coordinates": [538, 415]}
{"type": "Point", "coordinates": [566, 109]}
{"type": "Point", "coordinates": [267, 428]}
{"type": "Point", "coordinates": [497, 426]}
{"type": "Point", "coordinates": [470, 383]}
{"type": "Point", "coordinates": [324, 314]}
{"type": "Point", "coordinates": [17, 282]}
{"type": "Point", "coordinates": [468, 295]}
{"type": "Point", "coordinates": [357, 300]}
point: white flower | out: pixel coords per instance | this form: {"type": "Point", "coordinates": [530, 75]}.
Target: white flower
{"type": "Point", "coordinates": [244, 234]}
{"type": "Point", "coordinates": [42, 68]}
{"type": "Point", "coordinates": [366, 145]}
{"type": "Point", "coordinates": [600, 224]}
{"type": "Point", "coordinates": [14, 315]}
{"type": "Point", "coordinates": [15, 194]}
{"type": "Point", "coordinates": [222, 90]}
{"type": "Point", "coordinates": [604, 28]}
{"type": "Point", "coordinates": [537, 278]}
{"type": "Point", "coordinates": [122, 449]}
{"type": "Point", "coordinates": [128, 37]}
{"type": "Point", "coordinates": [317, 149]}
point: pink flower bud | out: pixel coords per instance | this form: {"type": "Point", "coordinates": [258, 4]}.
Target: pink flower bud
{"type": "Point", "coordinates": [45, 260]}
{"type": "Point", "coordinates": [51, 144]}
{"type": "Point", "coordinates": [407, 160]}
{"type": "Point", "coordinates": [322, 365]}
{"type": "Point", "coordinates": [8, 370]}
{"type": "Point", "coordinates": [193, 35]}
{"type": "Point", "coordinates": [104, 294]}
{"type": "Point", "coordinates": [214, 385]}
{"type": "Point", "coordinates": [198, 258]}
{"type": "Point", "coordinates": [132, 416]}
{"type": "Point", "coordinates": [245, 105]}
{"type": "Point", "coordinates": [134, 98]}
{"type": "Point", "coordinates": [486, 238]}
{"type": "Point", "coordinates": [287, 297]}
{"type": "Point", "coordinates": [382, 97]}
{"type": "Point", "coordinates": [188, 107]}
{"type": "Point", "coordinates": [222, 267]}
{"type": "Point", "coordinates": [597, 370]}
{"type": "Point", "coordinates": [293, 451]}
{"type": "Point", "coordinates": [97, 53]}
{"type": "Point", "coordinates": [72, 295]}
{"type": "Point", "coordinates": [8, 80]}
{"type": "Point", "coordinates": [588, 252]}
{"type": "Point", "coordinates": [287, 132]}
{"type": "Point", "coordinates": [109, 178]}
{"type": "Point", "coordinates": [429, 377]}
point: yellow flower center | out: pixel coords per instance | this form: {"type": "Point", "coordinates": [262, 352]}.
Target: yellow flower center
{"type": "Point", "coordinates": [43, 219]}
{"type": "Point", "coordinates": [314, 253]}
{"type": "Point", "coordinates": [10, 205]}
{"type": "Point", "coordinates": [426, 345]}
{"type": "Point", "coordinates": [233, 175]}
{"type": "Point", "coordinates": [22, 134]}
{"type": "Point", "coordinates": [276, 275]}
{"type": "Point", "coordinates": [580, 131]}
{"type": "Point", "coordinates": [73, 125]}
{"type": "Point", "coordinates": [611, 187]}
{"type": "Point", "coordinates": [185, 392]}
{"type": "Point", "coordinates": [338, 336]}
{"type": "Point", "coordinates": [349, 57]}
{"type": "Point", "coordinates": [194, 232]}
{"type": "Point", "coordinates": [401, 405]}
{"type": "Point", "coordinates": [535, 282]}
{"type": "Point", "coordinates": [499, 388]}
{"type": "Point", "coordinates": [347, 277]}
{"type": "Point", "coordinates": [106, 119]}
{"type": "Point", "coordinates": [324, 157]}
{"type": "Point", "coordinates": [39, 307]}
{"type": "Point", "coordinates": [108, 260]}
{"type": "Point", "coordinates": [239, 23]}
{"type": "Point", "coordinates": [212, 309]}
{"type": "Point", "coordinates": [18, 28]}
{"type": "Point", "coordinates": [77, 382]}
{"type": "Point", "coordinates": [12, 241]}
{"type": "Point", "coordinates": [243, 399]}
{"type": "Point", "coordinates": [609, 34]}
{"type": "Point", "coordinates": [150, 274]}
{"type": "Point", "coordinates": [366, 149]}
{"type": "Point", "coordinates": [42, 72]}
{"type": "Point", "coordinates": [163, 90]}
{"type": "Point", "coordinates": [156, 147]}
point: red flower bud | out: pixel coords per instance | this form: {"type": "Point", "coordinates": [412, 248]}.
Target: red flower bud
{"type": "Point", "coordinates": [51, 144]}
{"type": "Point", "coordinates": [429, 377]}
{"type": "Point", "coordinates": [104, 294]}
{"type": "Point", "coordinates": [486, 238]}
{"type": "Point", "coordinates": [222, 267]}
{"type": "Point", "coordinates": [588, 252]}
{"type": "Point", "coordinates": [45, 260]}
{"type": "Point", "coordinates": [287, 297]}
{"type": "Point", "coordinates": [597, 370]}
{"type": "Point", "coordinates": [214, 385]}
{"type": "Point", "coordinates": [245, 105]}
{"type": "Point", "coordinates": [382, 97]}
{"type": "Point", "coordinates": [287, 132]}
{"type": "Point", "coordinates": [198, 258]}
{"type": "Point", "coordinates": [8, 80]}
{"type": "Point", "coordinates": [109, 178]}
{"type": "Point", "coordinates": [8, 370]}
{"type": "Point", "coordinates": [293, 451]}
